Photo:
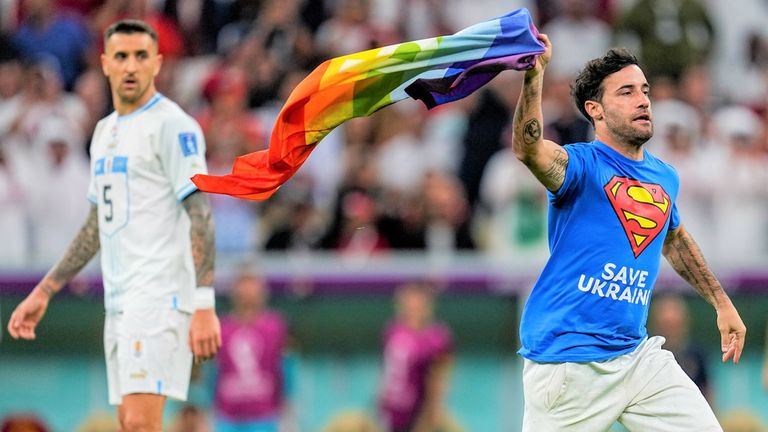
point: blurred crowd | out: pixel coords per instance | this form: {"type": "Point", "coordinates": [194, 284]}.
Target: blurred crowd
{"type": "Point", "coordinates": [406, 178]}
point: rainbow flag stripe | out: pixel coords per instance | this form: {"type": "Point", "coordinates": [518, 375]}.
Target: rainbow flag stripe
{"type": "Point", "coordinates": [436, 71]}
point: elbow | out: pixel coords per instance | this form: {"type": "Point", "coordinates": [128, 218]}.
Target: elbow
{"type": "Point", "coordinates": [523, 153]}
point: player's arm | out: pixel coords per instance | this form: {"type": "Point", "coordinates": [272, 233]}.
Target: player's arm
{"type": "Point", "coordinates": [204, 332]}
{"type": "Point", "coordinates": [686, 258]}
{"type": "Point", "coordinates": [82, 249]}
{"type": "Point", "coordinates": [546, 159]}
{"type": "Point", "coordinates": [436, 388]}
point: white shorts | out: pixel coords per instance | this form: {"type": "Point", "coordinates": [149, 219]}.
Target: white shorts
{"type": "Point", "coordinates": [645, 390]}
{"type": "Point", "coordinates": [147, 351]}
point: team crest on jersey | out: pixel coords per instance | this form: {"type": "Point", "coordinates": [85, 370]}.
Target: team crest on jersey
{"type": "Point", "coordinates": [137, 348]}
{"type": "Point", "coordinates": [188, 142]}
{"type": "Point", "coordinates": [642, 209]}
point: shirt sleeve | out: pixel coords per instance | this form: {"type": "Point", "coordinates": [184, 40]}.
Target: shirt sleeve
{"type": "Point", "coordinates": [92, 197]}
{"type": "Point", "coordinates": [92, 192]}
{"type": "Point", "coordinates": [182, 153]}
{"type": "Point", "coordinates": [674, 220]}
{"type": "Point", "coordinates": [573, 175]}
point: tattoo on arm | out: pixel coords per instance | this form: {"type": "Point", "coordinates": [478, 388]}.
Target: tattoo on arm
{"type": "Point", "coordinates": [202, 236]}
{"type": "Point", "coordinates": [80, 251]}
{"type": "Point", "coordinates": [555, 173]}
{"type": "Point", "coordinates": [532, 131]}
{"type": "Point", "coordinates": [686, 258]}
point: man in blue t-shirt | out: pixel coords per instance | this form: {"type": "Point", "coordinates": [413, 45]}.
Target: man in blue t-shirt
{"type": "Point", "coordinates": [588, 359]}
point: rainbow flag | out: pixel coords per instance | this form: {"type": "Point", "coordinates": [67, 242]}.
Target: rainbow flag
{"type": "Point", "coordinates": [436, 71]}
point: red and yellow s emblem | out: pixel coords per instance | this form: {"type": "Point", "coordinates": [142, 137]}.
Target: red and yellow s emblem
{"type": "Point", "coordinates": [642, 209]}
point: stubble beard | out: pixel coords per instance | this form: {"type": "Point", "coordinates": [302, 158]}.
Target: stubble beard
{"type": "Point", "coordinates": [628, 134]}
{"type": "Point", "coordinates": [130, 99]}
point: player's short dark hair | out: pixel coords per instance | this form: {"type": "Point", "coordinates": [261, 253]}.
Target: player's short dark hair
{"type": "Point", "coordinates": [130, 26]}
{"type": "Point", "coordinates": [588, 85]}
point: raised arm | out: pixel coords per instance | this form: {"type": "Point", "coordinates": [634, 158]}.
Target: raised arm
{"type": "Point", "coordinates": [204, 332]}
{"type": "Point", "coordinates": [686, 258]}
{"type": "Point", "coordinates": [546, 159]}
{"type": "Point", "coordinates": [82, 249]}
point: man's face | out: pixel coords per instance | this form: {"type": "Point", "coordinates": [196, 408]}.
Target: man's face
{"type": "Point", "coordinates": [414, 305]}
{"type": "Point", "coordinates": [131, 62]}
{"type": "Point", "coordinates": [626, 105]}
{"type": "Point", "coordinates": [250, 293]}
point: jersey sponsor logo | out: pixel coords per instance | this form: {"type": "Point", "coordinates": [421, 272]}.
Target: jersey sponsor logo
{"type": "Point", "coordinates": [642, 209]}
{"type": "Point", "coordinates": [140, 374]}
{"type": "Point", "coordinates": [188, 142]}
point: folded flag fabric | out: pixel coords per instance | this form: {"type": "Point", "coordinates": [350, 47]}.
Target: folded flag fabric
{"type": "Point", "coordinates": [436, 71]}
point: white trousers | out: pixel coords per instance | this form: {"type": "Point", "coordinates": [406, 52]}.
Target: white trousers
{"type": "Point", "coordinates": [645, 390]}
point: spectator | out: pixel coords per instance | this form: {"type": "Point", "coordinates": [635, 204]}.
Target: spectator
{"type": "Point", "coordinates": [517, 209]}
{"type": "Point", "coordinates": [671, 35]}
{"type": "Point", "coordinates": [679, 140]}
{"type": "Point", "coordinates": [448, 214]}
{"type": "Point", "coordinates": [11, 71]}
{"type": "Point", "coordinates": [403, 150]}
{"type": "Point", "coordinates": [563, 122]}
{"type": "Point", "coordinates": [355, 231]}
{"type": "Point", "coordinates": [41, 97]}
{"type": "Point", "coordinates": [578, 36]}
{"type": "Point", "coordinates": [61, 38]}
{"type": "Point", "coordinates": [13, 221]}
{"type": "Point", "coordinates": [347, 31]}
{"type": "Point", "coordinates": [741, 198]}
{"type": "Point", "coordinates": [230, 130]}
{"type": "Point", "coordinates": [49, 184]}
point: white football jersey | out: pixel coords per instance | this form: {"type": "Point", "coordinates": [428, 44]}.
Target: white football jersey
{"type": "Point", "coordinates": [141, 164]}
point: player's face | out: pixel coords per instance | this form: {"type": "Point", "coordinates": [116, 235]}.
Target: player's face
{"type": "Point", "coordinates": [131, 62]}
{"type": "Point", "coordinates": [626, 105]}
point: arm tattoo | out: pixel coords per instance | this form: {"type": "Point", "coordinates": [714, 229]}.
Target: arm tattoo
{"type": "Point", "coordinates": [531, 131]}
{"type": "Point", "coordinates": [686, 258]}
{"type": "Point", "coordinates": [202, 235]}
{"type": "Point", "coordinates": [80, 251]}
{"type": "Point", "coordinates": [555, 173]}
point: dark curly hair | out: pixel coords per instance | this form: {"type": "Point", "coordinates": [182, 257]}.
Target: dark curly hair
{"type": "Point", "coordinates": [589, 83]}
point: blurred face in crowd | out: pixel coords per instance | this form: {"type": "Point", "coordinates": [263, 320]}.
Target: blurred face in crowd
{"type": "Point", "coordinates": [249, 294]}
{"type": "Point", "coordinates": [131, 63]}
{"type": "Point", "coordinates": [414, 305]}
{"type": "Point", "coordinates": [625, 108]}
{"type": "Point", "coordinates": [670, 319]}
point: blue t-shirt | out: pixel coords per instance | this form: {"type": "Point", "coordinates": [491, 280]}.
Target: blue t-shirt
{"type": "Point", "coordinates": [607, 225]}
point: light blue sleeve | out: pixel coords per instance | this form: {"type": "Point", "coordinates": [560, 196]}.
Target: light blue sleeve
{"type": "Point", "coordinates": [182, 152]}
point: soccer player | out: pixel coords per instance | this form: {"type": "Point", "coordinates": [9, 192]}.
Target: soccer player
{"type": "Point", "coordinates": [155, 233]}
{"type": "Point", "coordinates": [612, 215]}
{"type": "Point", "coordinates": [250, 384]}
{"type": "Point", "coordinates": [418, 353]}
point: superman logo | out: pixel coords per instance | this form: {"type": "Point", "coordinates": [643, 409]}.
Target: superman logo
{"type": "Point", "coordinates": [642, 209]}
